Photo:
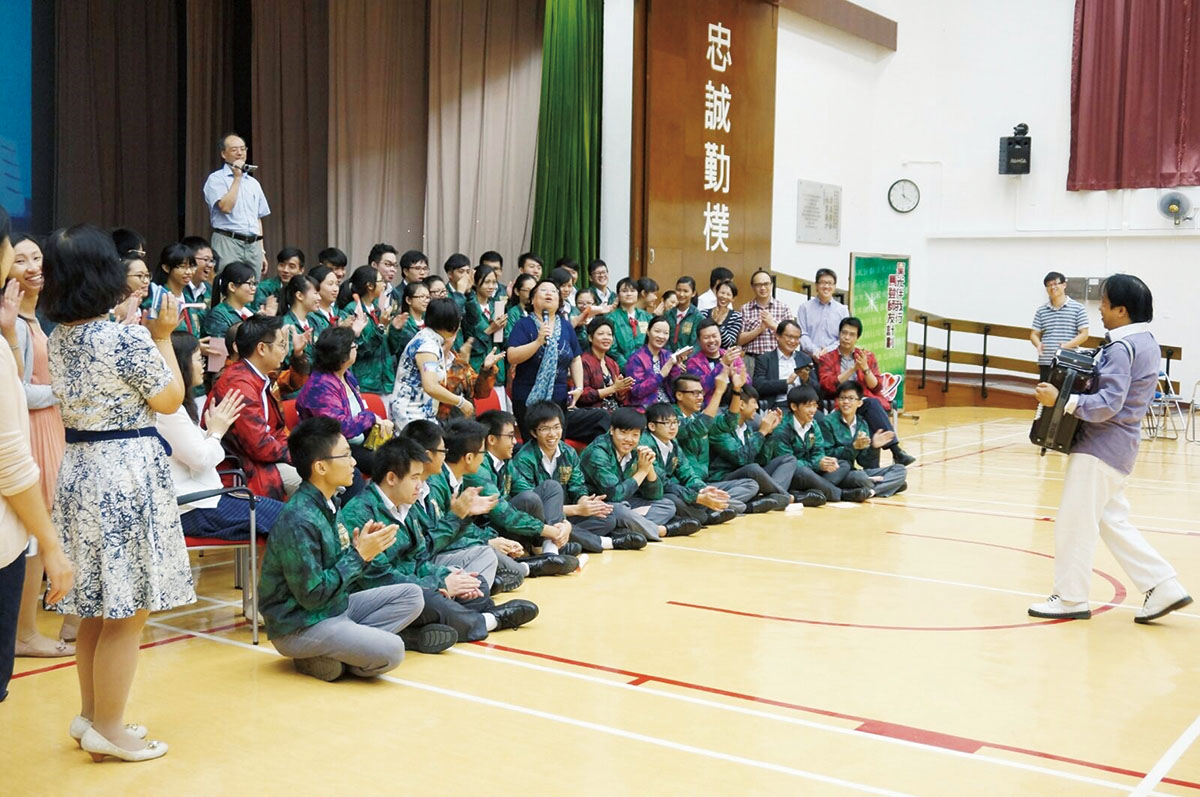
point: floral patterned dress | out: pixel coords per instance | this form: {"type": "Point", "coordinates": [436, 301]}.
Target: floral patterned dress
{"type": "Point", "coordinates": [115, 502]}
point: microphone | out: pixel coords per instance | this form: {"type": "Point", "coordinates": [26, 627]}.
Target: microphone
{"type": "Point", "coordinates": [545, 316]}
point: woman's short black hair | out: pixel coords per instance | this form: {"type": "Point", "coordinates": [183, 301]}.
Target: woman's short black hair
{"type": "Point", "coordinates": [184, 344]}
{"type": "Point", "coordinates": [319, 273]}
{"type": "Point", "coordinates": [627, 282]}
{"type": "Point", "coordinates": [84, 274]}
{"type": "Point", "coordinates": [363, 280]}
{"type": "Point", "coordinates": [1126, 290]}
{"type": "Point", "coordinates": [561, 276]}
{"type": "Point", "coordinates": [173, 256]}
{"type": "Point", "coordinates": [332, 349]}
{"type": "Point", "coordinates": [236, 273]}
{"type": "Point", "coordinates": [628, 418]}
{"type": "Point", "coordinates": [397, 456]}
{"type": "Point", "coordinates": [287, 253]}
{"type": "Point", "coordinates": [540, 283]}
{"type": "Point", "coordinates": [410, 292]}
{"type": "Point", "coordinates": [255, 330]}
{"type": "Point", "coordinates": [542, 412]}
{"type": "Point", "coordinates": [312, 440]}
{"type": "Point", "coordinates": [595, 324]}
{"type": "Point", "coordinates": [732, 287]}
{"type": "Point", "coordinates": [482, 273]}
{"type": "Point", "coordinates": [296, 287]}
{"type": "Point", "coordinates": [443, 315]}
{"type": "Point", "coordinates": [647, 285]}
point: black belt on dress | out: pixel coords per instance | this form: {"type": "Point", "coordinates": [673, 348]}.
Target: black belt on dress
{"type": "Point", "coordinates": [237, 236]}
{"type": "Point", "coordinates": [91, 436]}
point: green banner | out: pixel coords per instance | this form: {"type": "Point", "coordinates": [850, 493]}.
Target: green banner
{"type": "Point", "coordinates": [879, 298]}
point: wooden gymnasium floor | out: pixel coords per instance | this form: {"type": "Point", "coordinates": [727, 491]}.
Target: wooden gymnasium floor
{"type": "Point", "coordinates": [880, 648]}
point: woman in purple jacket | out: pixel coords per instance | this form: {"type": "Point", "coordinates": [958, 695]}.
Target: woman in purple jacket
{"type": "Point", "coordinates": [652, 367]}
{"type": "Point", "coordinates": [332, 392]}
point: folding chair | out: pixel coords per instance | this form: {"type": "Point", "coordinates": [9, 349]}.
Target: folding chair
{"type": "Point", "coordinates": [1165, 408]}
{"type": "Point", "coordinates": [245, 577]}
{"type": "Point", "coordinates": [1191, 435]}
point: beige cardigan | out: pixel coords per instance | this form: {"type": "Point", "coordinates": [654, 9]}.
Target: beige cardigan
{"type": "Point", "coordinates": [18, 471]}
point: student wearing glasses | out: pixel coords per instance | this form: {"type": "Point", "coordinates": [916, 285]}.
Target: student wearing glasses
{"type": "Point", "coordinates": [1061, 323]}
{"type": "Point", "coordinates": [233, 295]}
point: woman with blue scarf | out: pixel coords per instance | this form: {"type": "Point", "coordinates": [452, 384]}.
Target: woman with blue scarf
{"type": "Point", "coordinates": [538, 377]}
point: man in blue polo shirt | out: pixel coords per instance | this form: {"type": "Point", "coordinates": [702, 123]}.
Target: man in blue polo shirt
{"type": "Point", "coordinates": [236, 206]}
{"type": "Point", "coordinates": [1093, 499]}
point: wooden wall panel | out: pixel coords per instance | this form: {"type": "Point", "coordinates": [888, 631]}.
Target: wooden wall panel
{"type": "Point", "coordinates": [671, 181]}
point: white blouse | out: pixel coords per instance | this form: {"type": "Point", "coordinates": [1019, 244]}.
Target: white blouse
{"type": "Point", "coordinates": [194, 457]}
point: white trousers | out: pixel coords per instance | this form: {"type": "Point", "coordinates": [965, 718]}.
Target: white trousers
{"type": "Point", "coordinates": [1094, 506]}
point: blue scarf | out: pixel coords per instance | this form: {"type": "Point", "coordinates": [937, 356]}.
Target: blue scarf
{"type": "Point", "coordinates": [543, 383]}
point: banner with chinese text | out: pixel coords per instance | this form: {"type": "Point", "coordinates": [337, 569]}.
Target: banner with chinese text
{"type": "Point", "coordinates": [879, 298]}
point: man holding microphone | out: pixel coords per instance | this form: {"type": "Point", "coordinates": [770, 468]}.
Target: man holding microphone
{"type": "Point", "coordinates": [236, 206]}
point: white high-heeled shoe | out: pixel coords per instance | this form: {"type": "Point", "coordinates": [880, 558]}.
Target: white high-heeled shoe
{"type": "Point", "coordinates": [80, 724]}
{"type": "Point", "coordinates": [99, 747]}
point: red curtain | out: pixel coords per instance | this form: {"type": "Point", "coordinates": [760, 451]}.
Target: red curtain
{"type": "Point", "coordinates": [1135, 94]}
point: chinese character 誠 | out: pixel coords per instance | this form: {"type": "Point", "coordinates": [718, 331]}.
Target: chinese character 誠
{"type": "Point", "coordinates": [716, 226]}
{"type": "Point", "coordinates": [718, 46]}
{"type": "Point", "coordinates": [716, 107]}
{"type": "Point", "coordinates": [716, 168]}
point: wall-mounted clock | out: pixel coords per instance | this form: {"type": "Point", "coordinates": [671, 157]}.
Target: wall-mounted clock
{"type": "Point", "coordinates": [904, 196]}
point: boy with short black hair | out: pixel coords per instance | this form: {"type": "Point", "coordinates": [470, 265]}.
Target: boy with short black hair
{"type": "Point", "coordinates": [740, 452]}
{"type": "Point", "coordinates": [800, 435]}
{"type": "Point", "coordinates": [849, 440]}
{"type": "Point", "coordinates": [312, 562]}
{"type": "Point", "coordinates": [618, 469]}
{"type": "Point", "coordinates": [706, 504]}
{"type": "Point", "coordinates": [708, 300]}
{"type": "Point", "coordinates": [596, 524]}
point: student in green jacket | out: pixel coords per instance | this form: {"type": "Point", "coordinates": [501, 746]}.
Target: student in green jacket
{"type": "Point", "coordinates": [301, 296]}
{"type": "Point", "coordinates": [325, 315]}
{"type": "Point", "coordinates": [288, 263]}
{"type": "Point", "coordinates": [488, 331]}
{"type": "Point", "coordinates": [740, 452]}
{"type": "Point", "coordinates": [684, 320]}
{"type": "Point", "coordinates": [454, 597]}
{"type": "Point", "coordinates": [800, 435]}
{"type": "Point", "coordinates": [465, 454]}
{"type": "Point", "coordinates": [312, 561]}
{"type": "Point", "coordinates": [617, 468]}
{"type": "Point", "coordinates": [694, 499]}
{"type": "Point", "coordinates": [233, 292]}
{"type": "Point", "coordinates": [375, 368]}
{"type": "Point", "coordinates": [596, 524]}
{"type": "Point", "coordinates": [850, 441]}
{"type": "Point", "coordinates": [629, 322]}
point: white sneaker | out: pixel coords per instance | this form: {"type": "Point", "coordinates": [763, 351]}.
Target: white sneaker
{"type": "Point", "coordinates": [1163, 599]}
{"type": "Point", "coordinates": [1055, 608]}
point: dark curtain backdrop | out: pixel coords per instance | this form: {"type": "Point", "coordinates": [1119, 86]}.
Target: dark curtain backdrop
{"type": "Point", "coordinates": [116, 102]}
{"type": "Point", "coordinates": [210, 105]}
{"type": "Point", "coordinates": [290, 138]}
{"type": "Point", "coordinates": [1135, 95]}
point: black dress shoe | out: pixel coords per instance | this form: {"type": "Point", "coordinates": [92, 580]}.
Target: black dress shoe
{"type": "Point", "coordinates": [626, 540]}
{"type": "Point", "coordinates": [782, 500]}
{"type": "Point", "coordinates": [716, 517]}
{"type": "Point", "coordinates": [902, 457]}
{"type": "Point", "coordinates": [764, 503]}
{"type": "Point", "coordinates": [550, 564]}
{"type": "Point", "coordinates": [571, 549]}
{"type": "Point", "coordinates": [681, 527]}
{"type": "Point", "coordinates": [506, 581]}
{"type": "Point", "coordinates": [514, 613]}
{"type": "Point", "coordinates": [857, 495]}
{"type": "Point", "coordinates": [431, 638]}
{"type": "Point", "coordinates": [902, 488]}
{"type": "Point", "coordinates": [809, 497]}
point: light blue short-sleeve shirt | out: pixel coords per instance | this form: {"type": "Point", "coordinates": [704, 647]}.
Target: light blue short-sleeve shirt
{"type": "Point", "coordinates": [251, 203]}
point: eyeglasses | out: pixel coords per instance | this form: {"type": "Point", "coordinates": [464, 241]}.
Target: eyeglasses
{"type": "Point", "coordinates": [761, 284]}
{"type": "Point", "coordinates": [513, 435]}
{"type": "Point", "coordinates": [696, 392]}
{"type": "Point", "coordinates": [251, 283]}
{"type": "Point", "coordinates": [438, 450]}
{"type": "Point", "coordinates": [669, 421]}
{"type": "Point", "coordinates": [549, 429]}
{"type": "Point", "coordinates": [144, 277]}
{"type": "Point", "coordinates": [440, 293]}
{"type": "Point", "coordinates": [347, 455]}
{"type": "Point", "coordinates": [847, 398]}
{"type": "Point", "coordinates": [825, 284]}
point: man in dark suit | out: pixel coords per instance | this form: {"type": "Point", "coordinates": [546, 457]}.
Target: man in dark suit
{"type": "Point", "coordinates": [777, 372]}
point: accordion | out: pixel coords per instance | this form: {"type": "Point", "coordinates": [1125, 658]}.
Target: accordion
{"type": "Point", "coordinates": [1073, 371]}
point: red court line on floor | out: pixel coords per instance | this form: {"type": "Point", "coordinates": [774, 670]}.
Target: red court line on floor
{"type": "Point", "coordinates": [866, 725]}
{"type": "Point", "coordinates": [153, 644]}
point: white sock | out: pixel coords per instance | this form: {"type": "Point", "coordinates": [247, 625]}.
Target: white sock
{"type": "Point", "coordinates": [606, 543]}
{"type": "Point", "coordinates": [490, 622]}
{"type": "Point", "coordinates": [524, 568]}
{"type": "Point", "coordinates": [549, 547]}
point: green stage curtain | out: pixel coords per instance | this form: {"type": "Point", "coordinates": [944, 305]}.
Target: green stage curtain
{"type": "Point", "coordinates": [566, 211]}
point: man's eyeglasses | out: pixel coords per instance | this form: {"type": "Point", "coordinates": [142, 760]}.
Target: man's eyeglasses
{"type": "Point", "coordinates": [549, 429]}
{"type": "Point", "coordinates": [347, 455]}
{"type": "Point", "coordinates": [669, 421]}
{"type": "Point", "coordinates": [697, 392]}
{"type": "Point", "coordinates": [761, 284]}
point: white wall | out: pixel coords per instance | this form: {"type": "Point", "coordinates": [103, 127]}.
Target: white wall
{"type": "Point", "coordinates": [853, 114]}
{"type": "Point", "coordinates": [616, 145]}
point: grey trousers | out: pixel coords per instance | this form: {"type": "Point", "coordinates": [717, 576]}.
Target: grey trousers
{"type": "Point", "coordinates": [830, 484]}
{"type": "Point", "coordinates": [772, 478]}
{"type": "Point", "coordinates": [546, 501]}
{"type": "Point", "coordinates": [481, 559]}
{"type": "Point", "coordinates": [740, 491]}
{"type": "Point", "coordinates": [894, 477]}
{"type": "Point", "coordinates": [229, 251]}
{"type": "Point", "coordinates": [364, 637]}
{"type": "Point", "coordinates": [658, 513]}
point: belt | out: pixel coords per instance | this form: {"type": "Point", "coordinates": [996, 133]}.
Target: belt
{"type": "Point", "coordinates": [90, 436]}
{"type": "Point", "coordinates": [237, 236]}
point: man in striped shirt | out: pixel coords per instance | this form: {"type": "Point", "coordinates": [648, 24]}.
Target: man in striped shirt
{"type": "Point", "coordinates": [1061, 323]}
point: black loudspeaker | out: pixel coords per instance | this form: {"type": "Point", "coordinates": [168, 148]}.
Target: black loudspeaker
{"type": "Point", "coordinates": [1015, 154]}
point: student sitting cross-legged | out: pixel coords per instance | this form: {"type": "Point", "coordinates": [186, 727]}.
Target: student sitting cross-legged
{"type": "Point", "coordinates": [619, 470]}
{"type": "Point", "coordinates": [465, 453]}
{"type": "Point", "coordinates": [848, 439]}
{"type": "Point", "coordinates": [596, 524]}
{"type": "Point", "coordinates": [447, 535]}
{"type": "Point", "coordinates": [800, 435]}
{"type": "Point", "coordinates": [312, 562]}
{"type": "Point", "coordinates": [740, 452]}
{"type": "Point", "coordinates": [706, 504]}
{"type": "Point", "coordinates": [454, 597]}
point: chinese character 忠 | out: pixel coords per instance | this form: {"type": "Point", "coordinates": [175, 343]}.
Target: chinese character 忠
{"type": "Point", "coordinates": [718, 46]}
{"type": "Point", "coordinates": [716, 226]}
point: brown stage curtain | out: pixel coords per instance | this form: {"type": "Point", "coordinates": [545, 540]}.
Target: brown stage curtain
{"type": "Point", "coordinates": [116, 100]}
{"type": "Point", "coordinates": [1135, 94]}
{"type": "Point", "coordinates": [290, 99]}
{"type": "Point", "coordinates": [377, 125]}
{"type": "Point", "coordinates": [485, 79]}
{"type": "Point", "coordinates": [210, 103]}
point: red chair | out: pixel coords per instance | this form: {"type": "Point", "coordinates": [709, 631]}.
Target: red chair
{"type": "Point", "coordinates": [489, 402]}
{"type": "Point", "coordinates": [290, 416]}
{"type": "Point", "coordinates": [375, 404]}
{"type": "Point", "coordinates": [575, 444]}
